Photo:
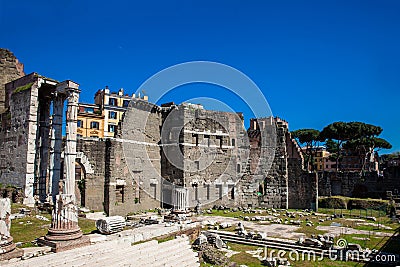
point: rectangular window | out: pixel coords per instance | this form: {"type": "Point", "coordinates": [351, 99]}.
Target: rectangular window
{"type": "Point", "coordinates": [197, 163]}
{"type": "Point", "coordinates": [119, 193]}
{"type": "Point", "coordinates": [94, 125]}
{"type": "Point", "coordinates": [112, 128]}
{"type": "Point", "coordinates": [80, 123]}
{"type": "Point", "coordinates": [238, 167]}
{"type": "Point", "coordinates": [219, 141]}
{"type": "Point", "coordinates": [208, 191]}
{"type": "Point", "coordinates": [125, 103]}
{"type": "Point", "coordinates": [113, 102]}
{"type": "Point", "coordinates": [233, 142]}
{"type": "Point", "coordinates": [231, 192]}
{"type": "Point", "coordinates": [112, 115]}
{"type": "Point", "coordinates": [207, 140]}
{"type": "Point", "coordinates": [196, 193]}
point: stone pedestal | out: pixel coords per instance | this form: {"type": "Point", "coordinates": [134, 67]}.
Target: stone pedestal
{"type": "Point", "coordinates": [8, 249]}
{"type": "Point", "coordinates": [64, 233]}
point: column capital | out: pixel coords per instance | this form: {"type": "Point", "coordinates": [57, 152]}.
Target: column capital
{"type": "Point", "coordinates": [66, 86]}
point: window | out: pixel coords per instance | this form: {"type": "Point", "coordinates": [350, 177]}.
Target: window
{"type": "Point", "coordinates": [231, 192]}
{"type": "Point", "coordinates": [112, 128]}
{"type": "Point", "coordinates": [112, 115]}
{"type": "Point", "coordinates": [207, 191]}
{"type": "Point", "coordinates": [80, 123]}
{"type": "Point", "coordinates": [238, 167]}
{"type": "Point", "coordinates": [197, 163]}
{"type": "Point", "coordinates": [233, 142]}
{"type": "Point", "coordinates": [219, 141]}
{"type": "Point", "coordinates": [126, 103]}
{"type": "Point", "coordinates": [196, 139]}
{"type": "Point", "coordinates": [119, 193]}
{"type": "Point", "coordinates": [89, 110]}
{"type": "Point", "coordinates": [207, 140]}
{"type": "Point", "coordinates": [113, 102]}
{"type": "Point", "coordinates": [94, 125]}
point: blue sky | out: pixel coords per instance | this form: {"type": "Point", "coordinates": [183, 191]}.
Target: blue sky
{"type": "Point", "coordinates": [316, 62]}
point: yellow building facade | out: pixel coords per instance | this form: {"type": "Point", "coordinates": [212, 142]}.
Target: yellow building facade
{"type": "Point", "coordinates": [102, 118]}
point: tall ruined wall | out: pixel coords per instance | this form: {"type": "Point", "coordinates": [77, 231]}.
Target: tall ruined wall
{"type": "Point", "coordinates": [266, 181]}
{"type": "Point", "coordinates": [10, 69]}
{"type": "Point", "coordinates": [276, 183]}
{"type": "Point", "coordinates": [302, 185]}
{"type": "Point", "coordinates": [93, 152]}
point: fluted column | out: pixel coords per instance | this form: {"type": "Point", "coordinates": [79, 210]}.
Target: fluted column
{"type": "Point", "coordinates": [70, 144]}
{"type": "Point", "coordinates": [64, 224]}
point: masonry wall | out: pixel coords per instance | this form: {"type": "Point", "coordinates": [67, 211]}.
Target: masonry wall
{"type": "Point", "coordinates": [302, 185]}
{"type": "Point", "coordinates": [18, 135]}
{"type": "Point", "coordinates": [10, 69]}
{"type": "Point", "coordinates": [353, 184]}
{"type": "Point", "coordinates": [94, 150]}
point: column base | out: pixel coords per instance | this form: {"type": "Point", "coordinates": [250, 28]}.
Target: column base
{"type": "Point", "coordinates": [8, 250]}
{"type": "Point", "coordinates": [63, 234]}
{"type": "Point", "coordinates": [58, 246]}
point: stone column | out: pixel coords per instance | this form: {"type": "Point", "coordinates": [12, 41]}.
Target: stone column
{"type": "Point", "coordinates": [64, 232]}
{"type": "Point", "coordinates": [70, 144]}
{"type": "Point", "coordinates": [8, 249]}
{"type": "Point", "coordinates": [44, 129]}
{"type": "Point", "coordinates": [65, 215]}
{"type": "Point", "coordinates": [180, 198]}
{"type": "Point", "coordinates": [56, 146]}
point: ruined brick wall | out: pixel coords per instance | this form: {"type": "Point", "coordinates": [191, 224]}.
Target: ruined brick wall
{"type": "Point", "coordinates": [302, 185]}
{"type": "Point", "coordinates": [110, 185]}
{"type": "Point", "coordinates": [353, 184]}
{"type": "Point", "coordinates": [94, 151]}
{"type": "Point", "coordinates": [276, 183]}
{"type": "Point", "coordinates": [10, 69]}
{"type": "Point", "coordinates": [213, 167]}
{"type": "Point", "coordinates": [266, 165]}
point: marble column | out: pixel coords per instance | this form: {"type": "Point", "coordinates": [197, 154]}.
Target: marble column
{"type": "Point", "coordinates": [64, 232]}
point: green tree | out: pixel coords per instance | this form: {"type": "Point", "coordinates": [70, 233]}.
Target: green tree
{"type": "Point", "coordinates": [336, 134]}
{"type": "Point", "coordinates": [309, 138]}
{"type": "Point", "coordinates": [358, 137]}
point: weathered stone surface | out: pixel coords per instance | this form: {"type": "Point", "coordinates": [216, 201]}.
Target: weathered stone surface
{"type": "Point", "coordinates": [10, 69]}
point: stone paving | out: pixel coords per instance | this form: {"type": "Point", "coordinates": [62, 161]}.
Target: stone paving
{"type": "Point", "coordinates": [116, 250]}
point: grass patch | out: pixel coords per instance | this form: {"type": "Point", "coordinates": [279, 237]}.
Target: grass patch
{"type": "Point", "coordinates": [87, 226]}
{"type": "Point", "coordinates": [27, 229]}
{"type": "Point", "coordinates": [165, 239]}
{"type": "Point", "coordinates": [309, 230]}
{"type": "Point", "coordinates": [23, 88]}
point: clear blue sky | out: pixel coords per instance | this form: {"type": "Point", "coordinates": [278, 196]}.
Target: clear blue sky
{"type": "Point", "coordinates": [315, 61]}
